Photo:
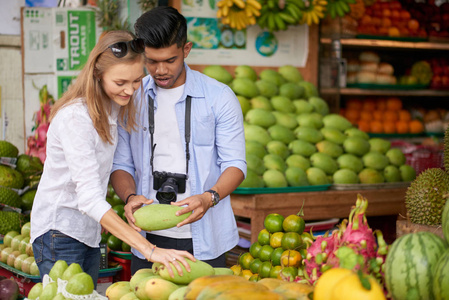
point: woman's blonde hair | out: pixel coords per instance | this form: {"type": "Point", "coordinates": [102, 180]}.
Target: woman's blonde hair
{"type": "Point", "coordinates": [87, 85]}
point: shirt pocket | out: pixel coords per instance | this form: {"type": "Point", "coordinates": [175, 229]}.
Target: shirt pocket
{"type": "Point", "coordinates": [204, 130]}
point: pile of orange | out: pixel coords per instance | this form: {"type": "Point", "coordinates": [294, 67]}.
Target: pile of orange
{"type": "Point", "coordinates": [384, 115]}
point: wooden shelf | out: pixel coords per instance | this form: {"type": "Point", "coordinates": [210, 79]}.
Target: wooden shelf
{"type": "Point", "coordinates": [369, 43]}
{"type": "Point", "coordinates": [317, 205]}
{"type": "Point", "coordinates": [387, 92]}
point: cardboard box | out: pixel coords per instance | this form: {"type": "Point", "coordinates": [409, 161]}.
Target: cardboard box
{"type": "Point", "coordinates": [58, 39]}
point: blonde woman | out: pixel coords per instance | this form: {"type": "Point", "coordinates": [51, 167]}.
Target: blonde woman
{"type": "Point", "coordinates": [70, 206]}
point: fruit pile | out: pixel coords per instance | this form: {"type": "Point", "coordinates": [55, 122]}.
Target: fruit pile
{"type": "Point", "coordinates": [283, 250]}
{"type": "Point", "coordinates": [293, 140]}
{"type": "Point", "coordinates": [389, 18]}
{"type": "Point", "coordinates": [381, 115]}
{"type": "Point", "coordinates": [65, 282]}
{"type": "Point", "coordinates": [17, 251]}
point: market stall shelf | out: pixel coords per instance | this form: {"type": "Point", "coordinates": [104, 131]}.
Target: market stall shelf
{"type": "Point", "coordinates": [317, 205]}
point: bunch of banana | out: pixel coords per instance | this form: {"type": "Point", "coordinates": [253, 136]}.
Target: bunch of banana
{"type": "Point", "coordinates": [279, 14]}
{"type": "Point", "coordinates": [338, 7]}
{"type": "Point", "coordinates": [313, 12]}
{"type": "Point", "coordinates": [238, 14]}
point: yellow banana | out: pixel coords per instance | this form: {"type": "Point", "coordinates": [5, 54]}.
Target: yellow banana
{"type": "Point", "coordinates": [225, 10]}
{"type": "Point", "coordinates": [239, 3]}
{"type": "Point", "coordinates": [252, 20]}
{"type": "Point", "coordinates": [314, 18]}
{"type": "Point", "coordinates": [254, 3]}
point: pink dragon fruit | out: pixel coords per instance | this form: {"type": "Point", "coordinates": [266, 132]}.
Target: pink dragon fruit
{"type": "Point", "coordinates": [354, 246]}
{"type": "Point", "coordinates": [37, 143]}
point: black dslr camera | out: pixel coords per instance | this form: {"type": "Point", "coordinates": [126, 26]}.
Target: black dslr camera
{"type": "Point", "coordinates": [168, 185]}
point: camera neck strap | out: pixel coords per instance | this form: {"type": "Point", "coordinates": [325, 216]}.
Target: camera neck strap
{"type": "Point", "coordinates": [186, 130]}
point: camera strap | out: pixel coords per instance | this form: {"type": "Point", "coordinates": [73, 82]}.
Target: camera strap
{"type": "Point", "coordinates": [186, 131]}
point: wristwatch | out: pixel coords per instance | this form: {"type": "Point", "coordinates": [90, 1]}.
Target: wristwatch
{"type": "Point", "coordinates": [215, 197]}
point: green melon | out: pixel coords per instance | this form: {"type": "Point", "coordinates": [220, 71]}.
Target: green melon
{"type": "Point", "coordinates": [410, 265]}
{"type": "Point", "coordinates": [440, 278]}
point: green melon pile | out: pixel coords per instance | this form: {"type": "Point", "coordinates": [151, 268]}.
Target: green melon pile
{"type": "Point", "coordinates": [293, 140]}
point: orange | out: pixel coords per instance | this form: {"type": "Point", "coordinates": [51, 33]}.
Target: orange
{"type": "Point", "coordinates": [363, 125]}
{"type": "Point", "coordinates": [114, 243]}
{"type": "Point", "coordinates": [389, 127]}
{"type": "Point", "coordinates": [378, 115]}
{"type": "Point", "coordinates": [413, 25]}
{"type": "Point", "coordinates": [376, 127]}
{"type": "Point", "coordinates": [393, 32]}
{"type": "Point", "coordinates": [386, 13]}
{"type": "Point", "coordinates": [288, 273]}
{"type": "Point", "coordinates": [354, 104]}
{"type": "Point", "coordinates": [255, 265]}
{"type": "Point", "coordinates": [237, 269]}
{"type": "Point", "coordinates": [352, 114]}
{"type": "Point", "coordinates": [394, 103]}
{"type": "Point", "coordinates": [391, 115]}
{"type": "Point", "coordinates": [254, 249]}
{"type": "Point", "coordinates": [273, 222]}
{"type": "Point", "coordinates": [404, 115]}
{"type": "Point", "coordinates": [246, 274]}
{"type": "Point", "coordinates": [275, 239]}
{"type": "Point", "coordinates": [381, 104]}
{"type": "Point", "coordinates": [275, 271]}
{"type": "Point", "coordinates": [416, 126]}
{"type": "Point", "coordinates": [276, 256]}
{"type": "Point", "coordinates": [366, 20]}
{"type": "Point", "coordinates": [294, 223]}
{"type": "Point", "coordinates": [369, 104]}
{"type": "Point", "coordinates": [245, 260]}
{"type": "Point", "coordinates": [264, 237]}
{"type": "Point", "coordinates": [291, 241]}
{"type": "Point", "coordinates": [265, 269]}
{"type": "Point", "coordinates": [366, 115]}
{"type": "Point", "coordinates": [385, 22]}
{"type": "Point", "coordinates": [402, 127]}
{"type": "Point", "coordinates": [405, 15]}
{"type": "Point", "coordinates": [291, 258]}
{"type": "Point", "coordinates": [265, 252]}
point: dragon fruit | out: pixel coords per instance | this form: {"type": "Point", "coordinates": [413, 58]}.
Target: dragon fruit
{"type": "Point", "coordinates": [37, 142]}
{"type": "Point", "coordinates": [354, 246]}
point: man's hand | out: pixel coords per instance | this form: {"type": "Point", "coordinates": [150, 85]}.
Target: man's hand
{"type": "Point", "coordinates": [134, 203]}
{"type": "Point", "coordinates": [197, 204]}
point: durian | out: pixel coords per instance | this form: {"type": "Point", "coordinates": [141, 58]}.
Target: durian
{"type": "Point", "coordinates": [426, 196]}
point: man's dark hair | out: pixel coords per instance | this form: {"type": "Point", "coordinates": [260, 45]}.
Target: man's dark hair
{"type": "Point", "coordinates": [161, 27]}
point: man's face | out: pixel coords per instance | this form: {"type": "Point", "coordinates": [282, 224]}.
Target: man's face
{"type": "Point", "coordinates": [166, 65]}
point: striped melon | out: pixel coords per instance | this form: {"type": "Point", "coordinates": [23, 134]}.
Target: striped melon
{"type": "Point", "coordinates": [441, 278]}
{"type": "Point", "coordinates": [445, 221]}
{"type": "Point", "coordinates": [410, 263]}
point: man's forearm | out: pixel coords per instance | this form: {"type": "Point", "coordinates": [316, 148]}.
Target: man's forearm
{"type": "Point", "coordinates": [123, 184]}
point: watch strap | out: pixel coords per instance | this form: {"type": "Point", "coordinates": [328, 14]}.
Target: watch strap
{"type": "Point", "coordinates": [215, 197]}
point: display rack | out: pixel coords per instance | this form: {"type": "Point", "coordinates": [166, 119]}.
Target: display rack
{"type": "Point", "coordinates": [317, 205]}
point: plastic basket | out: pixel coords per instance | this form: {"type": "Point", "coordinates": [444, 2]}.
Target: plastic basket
{"type": "Point", "coordinates": [421, 157]}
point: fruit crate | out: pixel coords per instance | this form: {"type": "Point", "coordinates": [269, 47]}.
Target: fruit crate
{"type": "Point", "coordinates": [421, 157]}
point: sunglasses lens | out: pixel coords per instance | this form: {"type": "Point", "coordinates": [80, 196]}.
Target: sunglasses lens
{"type": "Point", "coordinates": [138, 45]}
{"type": "Point", "coordinates": [119, 49]}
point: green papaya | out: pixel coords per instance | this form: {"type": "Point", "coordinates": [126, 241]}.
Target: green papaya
{"type": "Point", "coordinates": [198, 269]}
{"type": "Point", "coordinates": [158, 216]}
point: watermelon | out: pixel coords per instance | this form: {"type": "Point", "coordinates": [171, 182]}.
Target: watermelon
{"type": "Point", "coordinates": [410, 263]}
{"type": "Point", "coordinates": [445, 221]}
{"type": "Point", "coordinates": [441, 278]}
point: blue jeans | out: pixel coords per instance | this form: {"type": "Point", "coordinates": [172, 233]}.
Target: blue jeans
{"type": "Point", "coordinates": [54, 245]}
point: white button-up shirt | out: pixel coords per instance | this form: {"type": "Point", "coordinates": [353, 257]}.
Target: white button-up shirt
{"type": "Point", "coordinates": [71, 195]}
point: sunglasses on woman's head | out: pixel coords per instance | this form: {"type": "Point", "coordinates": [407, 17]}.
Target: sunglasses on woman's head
{"type": "Point", "coordinates": [120, 49]}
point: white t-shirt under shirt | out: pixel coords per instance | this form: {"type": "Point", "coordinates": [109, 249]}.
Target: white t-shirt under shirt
{"type": "Point", "coordinates": [169, 154]}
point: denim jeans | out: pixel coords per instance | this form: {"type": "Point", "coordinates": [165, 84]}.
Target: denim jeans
{"type": "Point", "coordinates": [54, 245]}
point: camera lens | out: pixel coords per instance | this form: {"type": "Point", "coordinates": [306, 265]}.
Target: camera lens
{"type": "Point", "coordinates": [168, 191]}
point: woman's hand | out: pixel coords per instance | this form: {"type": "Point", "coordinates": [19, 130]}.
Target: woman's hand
{"type": "Point", "coordinates": [167, 256]}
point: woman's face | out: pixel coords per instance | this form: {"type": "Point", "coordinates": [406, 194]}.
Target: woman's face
{"type": "Point", "coordinates": [120, 81]}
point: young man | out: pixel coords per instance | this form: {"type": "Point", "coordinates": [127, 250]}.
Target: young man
{"type": "Point", "coordinates": [189, 155]}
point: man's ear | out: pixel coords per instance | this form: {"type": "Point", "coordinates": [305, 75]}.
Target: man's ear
{"type": "Point", "coordinates": [187, 47]}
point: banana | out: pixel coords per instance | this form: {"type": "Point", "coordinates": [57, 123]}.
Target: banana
{"type": "Point", "coordinates": [225, 10]}
{"type": "Point", "coordinates": [339, 8]}
{"type": "Point", "coordinates": [287, 18]}
{"type": "Point", "coordinates": [239, 3]}
{"type": "Point", "coordinates": [294, 12]}
{"type": "Point", "coordinates": [345, 6]}
{"type": "Point", "coordinates": [270, 22]}
{"type": "Point", "coordinates": [254, 3]}
{"type": "Point", "coordinates": [280, 22]}
{"type": "Point", "coordinates": [299, 3]}
{"type": "Point", "coordinates": [262, 21]}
